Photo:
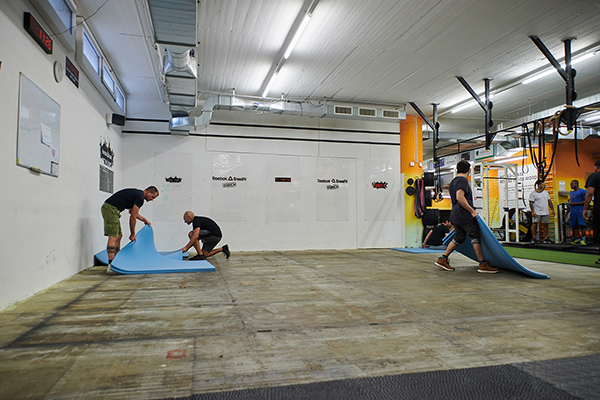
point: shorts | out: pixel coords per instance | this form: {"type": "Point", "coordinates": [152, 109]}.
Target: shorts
{"type": "Point", "coordinates": [112, 220]}
{"type": "Point", "coordinates": [209, 242]}
{"type": "Point", "coordinates": [576, 219]}
{"type": "Point", "coordinates": [544, 219]}
{"type": "Point", "coordinates": [471, 229]}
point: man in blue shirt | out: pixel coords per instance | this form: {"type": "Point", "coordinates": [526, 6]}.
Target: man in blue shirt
{"type": "Point", "coordinates": [464, 218]}
{"type": "Point", "coordinates": [576, 220]}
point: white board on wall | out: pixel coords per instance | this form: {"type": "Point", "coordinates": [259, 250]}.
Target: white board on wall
{"type": "Point", "coordinates": [175, 197]}
{"type": "Point", "coordinates": [38, 138]}
{"type": "Point", "coordinates": [380, 192]}
{"type": "Point", "coordinates": [333, 179]}
{"type": "Point", "coordinates": [283, 189]}
{"type": "Point", "coordinates": [229, 188]}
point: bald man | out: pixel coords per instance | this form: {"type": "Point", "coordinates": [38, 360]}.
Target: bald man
{"type": "Point", "coordinates": [204, 230]}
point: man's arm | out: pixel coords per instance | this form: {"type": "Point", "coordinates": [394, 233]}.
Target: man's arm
{"type": "Point", "coordinates": [427, 238]}
{"type": "Point", "coordinates": [551, 206]}
{"type": "Point", "coordinates": [193, 239]}
{"type": "Point", "coordinates": [588, 199]}
{"type": "Point", "coordinates": [533, 214]}
{"type": "Point", "coordinates": [134, 212]}
{"type": "Point", "coordinates": [462, 200]}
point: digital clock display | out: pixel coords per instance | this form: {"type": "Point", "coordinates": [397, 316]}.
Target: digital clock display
{"type": "Point", "coordinates": [37, 32]}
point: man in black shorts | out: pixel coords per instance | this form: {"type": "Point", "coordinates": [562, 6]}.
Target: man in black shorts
{"type": "Point", "coordinates": [206, 230]}
{"type": "Point", "coordinates": [593, 186]}
{"type": "Point", "coordinates": [464, 218]}
{"type": "Point", "coordinates": [131, 199]}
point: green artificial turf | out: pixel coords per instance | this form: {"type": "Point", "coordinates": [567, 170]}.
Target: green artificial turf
{"type": "Point", "coordinates": [563, 257]}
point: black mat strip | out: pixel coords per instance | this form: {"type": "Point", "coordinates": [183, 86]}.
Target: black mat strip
{"type": "Point", "coordinates": [490, 383]}
{"type": "Point", "coordinates": [579, 376]}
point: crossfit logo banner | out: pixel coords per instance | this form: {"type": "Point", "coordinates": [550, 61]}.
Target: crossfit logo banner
{"type": "Point", "coordinates": [230, 178]}
{"type": "Point", "coordinates": [379, 185]}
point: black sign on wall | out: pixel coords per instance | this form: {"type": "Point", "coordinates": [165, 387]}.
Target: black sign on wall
{"type": "Point", "coordinates": [72, 72]}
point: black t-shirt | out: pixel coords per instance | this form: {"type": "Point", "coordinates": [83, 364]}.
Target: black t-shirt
{"type": "Point", "coordinates": [594, 181]}
{"type": "Point", "coordinates": [126, 199]}
{"type": "Point", "coordinates": [459, 215]}
{"type": "Point", "coordinates": [438, 233]}
{"type": "Point", "coordinates": [207, 226]}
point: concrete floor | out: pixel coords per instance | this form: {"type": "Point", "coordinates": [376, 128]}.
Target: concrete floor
{"type": "Point", "coordinates": [277, 318]}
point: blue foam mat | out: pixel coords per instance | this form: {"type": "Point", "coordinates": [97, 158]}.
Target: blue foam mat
{"type": "Point", "coordinates": [492, 251]}
{"type": "Point", "coordinates": [417, 250]}
{"type": "Point", "coordinates": [141, 257]}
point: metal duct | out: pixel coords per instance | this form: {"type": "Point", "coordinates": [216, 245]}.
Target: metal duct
{"type": "Point", "coordinates": [174, 23]}
{"type": "Point", "coordinates": [232, 103]}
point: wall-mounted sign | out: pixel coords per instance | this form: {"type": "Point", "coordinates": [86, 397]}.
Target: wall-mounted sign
{"type": "Point", "coordinates": [72, 72]}
{"type": "Point", "coordinates": [279, 179]}
{"type": "Point", "coordinates": [107, 155]}
{"type": "Point", "coordinates": [37, 32]}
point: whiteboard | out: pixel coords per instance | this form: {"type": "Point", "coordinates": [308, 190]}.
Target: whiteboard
{"type": "Point", "coordinates": [38, 133]}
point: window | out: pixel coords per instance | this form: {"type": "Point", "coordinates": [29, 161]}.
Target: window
{"type": "Point", "coordinates": [120, 99]}
{"type": "Point", "coordinates": [90, 52]}
{"type": "Point", "coordinates": [64, 12]}
{"type": "Point", "coordinates": [108, 80]}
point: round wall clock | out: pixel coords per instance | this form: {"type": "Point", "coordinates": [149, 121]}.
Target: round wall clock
{"type": "Point", "coordinates": [59, 71]}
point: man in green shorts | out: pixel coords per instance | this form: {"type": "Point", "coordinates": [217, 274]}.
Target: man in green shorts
{"type": "Point", "coordinates": [131, 199]}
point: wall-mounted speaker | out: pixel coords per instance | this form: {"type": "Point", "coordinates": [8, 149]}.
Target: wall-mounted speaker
{"type": "Point", "coordinates": [115, 119]}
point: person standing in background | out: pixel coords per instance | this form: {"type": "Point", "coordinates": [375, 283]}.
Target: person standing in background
{"type": "Point", "coordinates": [593, 186]}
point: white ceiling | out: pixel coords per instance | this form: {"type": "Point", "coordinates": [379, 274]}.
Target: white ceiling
{"type": "Point", "coordinates": [383, 52]}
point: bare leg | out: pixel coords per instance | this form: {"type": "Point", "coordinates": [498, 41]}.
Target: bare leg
{"type": "Point", "coordinates": [478, 251]}
{"type": "Point", "coordinates": [451, 247]}
{"type": "Point", "coordinates": [212, 252]}
{"type": "Point", "coordinates": [543, 231]}
{"type": "Point", "coordinates": [113, 247]}
{"type": "Point", "coordinates": [534, 231]}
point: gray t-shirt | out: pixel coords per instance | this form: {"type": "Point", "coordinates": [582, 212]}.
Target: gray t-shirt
{"type": "Point", "coordinates": [540, 202]}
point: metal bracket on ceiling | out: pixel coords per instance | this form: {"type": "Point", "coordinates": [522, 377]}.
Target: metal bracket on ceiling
{"type": "Point", "coordinates": [487, 108]}
{"type": "Point", "coordinates": [435, 127]}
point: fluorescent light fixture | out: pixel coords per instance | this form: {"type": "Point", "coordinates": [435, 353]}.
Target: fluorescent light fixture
{"type": "Point", "coordinates": [470, 104]}
{"type": "Point", "coordinates": [268, 88]}
{"type": "Point", "coordinates": [593, 117]}
{"type": "Point", "coordinates": [510, 160]}
{"type": "Point", "coordinates": [464, 106]}
{"type": "Point", "coordinates": [297, 35]}
{"type": "Point", "coordinates": [550, 71]}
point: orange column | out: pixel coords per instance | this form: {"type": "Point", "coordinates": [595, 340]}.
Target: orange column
{"type": "Point", "coordinates": [411, 165]}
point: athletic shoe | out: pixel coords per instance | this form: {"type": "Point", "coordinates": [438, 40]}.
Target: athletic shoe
{"type": "Point", "coordinates": [198, 257]}
{"type": "Point", "coordinates": [576, 241]}
{"type": "Point", "coordinates": [582, 242]}
{"type": "Point", "coordinates": [226, 251]}
{"type": "Point", "coordinates": [597, 262]}
{"type": "Point", "coordinates": [444, 264]}
{"type": "Point", "coordinates": [547, 241]}
{"type": "Point", "coordinates": [486, 268]}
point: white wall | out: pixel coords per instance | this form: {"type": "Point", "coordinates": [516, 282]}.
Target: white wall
{"type": "Point", "coordinates": [259, 230]}
{"type": "Point", "coordinates": [51, 227]}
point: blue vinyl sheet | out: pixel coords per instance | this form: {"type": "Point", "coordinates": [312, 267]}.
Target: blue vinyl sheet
{"type": "Point", "coordinates": [492, 251]}
{"type": "Point", "coordinates": [141, 257]}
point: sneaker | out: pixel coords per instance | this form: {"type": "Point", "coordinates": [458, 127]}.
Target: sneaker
{"type": "Point", "coordinates": [597, 262]}
{"type": "Point", "coordinates": [547, 241]}
{"type": "Point", "coordinates": [444, 264]}
{"type": "Point", "coordinates": [198, 257]}
{"type": "Point", "coordinates": [582, 242]}
{"type": "Point", "coordinates": [226, 250]}
{"type": "Point", "coordinates": [486, 268]}
{"type": "Point", "coordinates": [576, 241]}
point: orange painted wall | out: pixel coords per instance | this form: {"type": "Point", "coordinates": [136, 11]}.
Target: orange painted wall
{"type": "Point", "coordinates": [411, 151]}
{"type": "Point", "coordinates": [566, 165]}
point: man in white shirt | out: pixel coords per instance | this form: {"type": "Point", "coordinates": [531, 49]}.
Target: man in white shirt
{"type": "Point", "coordinates": [540, 205]}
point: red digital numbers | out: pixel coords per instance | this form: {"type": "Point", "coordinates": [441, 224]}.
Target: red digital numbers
{"type": "Point", "coordinates": [36, 32]}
